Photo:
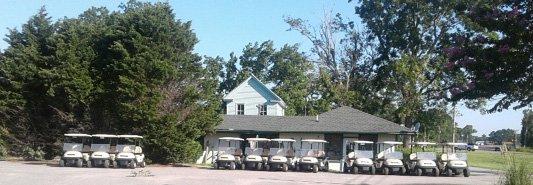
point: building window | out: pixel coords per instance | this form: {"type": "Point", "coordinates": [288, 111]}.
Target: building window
{"type": "Point", "coordinates": [240, 109]}
{"type": "Point", "coordinates": [262, 109]}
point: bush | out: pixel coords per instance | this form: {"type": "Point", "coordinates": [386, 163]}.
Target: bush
{"type": "Point", "coordinates": [517, 172]}
{"type": "Point", "coordinates": [525, 149]}
{"type": "Point", "coordinates": [31, 154]}
{"type": "Point", "coordinates": [3, 150]}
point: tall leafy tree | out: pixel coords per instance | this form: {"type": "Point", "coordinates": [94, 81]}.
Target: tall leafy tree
{"type": "Point", "coordinates": [256, 60]}
{"type": "Point", "coordinates": [494, 50]}
{"type": "Point", "coordinates": [289, 73]}
{"type": "Point", "coordinates": [526, 134]}
{"type": "Point", "coordinates": [229, 76]}
{"type": "Point", "coordinates": [503, 135]}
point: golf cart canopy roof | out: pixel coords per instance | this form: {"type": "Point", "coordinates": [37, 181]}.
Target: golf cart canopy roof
{"type": "Point", "coordinates": [363, 142]}
{"type": "Point", "coordinates": [257, 139]}
{"type": "Point", "coordinates": [77, 135]}
{"type": "Point", "coordinates": [130, 136]}
{"type": "Point", "coordinates": [231, 139]}
{"type": "Point", "coordinates": [422, 143]}
{"type": "Point", "coordinates": [104, 135]}
{"type": "Point", "coordinates": [391, 142]}
{"type": "Point", "coordinates": [454, 144]}
{"type": "Point", "coordinates": [282, 140]}
{"type": "Point", "coordinates": [314, 141]}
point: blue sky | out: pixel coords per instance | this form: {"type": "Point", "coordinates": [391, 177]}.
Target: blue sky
{"type": "Point", "coordinates": [227, 26]}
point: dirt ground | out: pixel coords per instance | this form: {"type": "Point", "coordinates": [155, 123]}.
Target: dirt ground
{"type": "Point", "coordinates": [15, 173]}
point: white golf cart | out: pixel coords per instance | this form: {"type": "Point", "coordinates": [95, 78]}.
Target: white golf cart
{"type": "Point", "coordinates": [452, 162]}
{"type": "Point", "coordinates": [360, 157]}
{"type": "Point", "coordinates": [130, 153]}
{"type": "Point", "coordinates": [422, 162]}
{"type": "Point", "coordinates": [311, 156]}
{"type": "Point", "coordinates": [256, 153]}
{"type": "Point", "coordinates": [388, 160]}
{"type": "Point", "coordinates": [75, 150]}
{"type": "Point", "coordinates": [229, 153]}
{"type": "Point", "coordinates": [281, 155]}
{"type": "Point", "coordinates": [102, 152]}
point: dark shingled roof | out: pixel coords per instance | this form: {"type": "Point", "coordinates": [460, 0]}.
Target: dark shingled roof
{"type": "Point", "coordinates": [339, 120]}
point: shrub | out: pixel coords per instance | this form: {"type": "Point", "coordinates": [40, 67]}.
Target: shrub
{"type": "Point", "coordinates": [525, 149]}
{"type": "Point", "coordinates": [3, 150]}
{"type": "Point", "coordinates": [517, 172]}
{"type": "Point", "coordinates": [31, 154]}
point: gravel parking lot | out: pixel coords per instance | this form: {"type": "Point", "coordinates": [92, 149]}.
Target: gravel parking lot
{"type": "Point", "coordinates": [15, 173]}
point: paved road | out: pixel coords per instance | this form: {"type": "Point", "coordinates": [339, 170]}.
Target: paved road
{"type": "Point", "coordinates": [15, 173]}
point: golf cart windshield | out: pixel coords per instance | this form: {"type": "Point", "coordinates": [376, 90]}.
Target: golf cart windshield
{"type": "Point", "coordinates": [100, 144]}
{"type": "Point", "coordinates": [394, 155]}
{"type": "Point", "coordinates": [364, 154]}
{"type": "Point", "coordinates": [281, 148]}
{"type": "Point", "coordinates": [73, 144]}
{"type": "Point", "coordinates": [312, 149]}
{"type": "Point", "coordinates": [228, 146]}
{"type": "Point", "coordinates": [425, 156]}
{"type": "Point", "coordinates": [457, 156]}
{"type": "Point", "coordinates": [126, 145]}
{"type": "Point", "coordinates": [256, 148]}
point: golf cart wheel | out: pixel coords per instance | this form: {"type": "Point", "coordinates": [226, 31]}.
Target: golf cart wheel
{"type": "Point", "coordinates": [298, 167]}
{"type": "Point", "coordinates": [215, 165]}
{"type": "Point", "coordinates": [133, 164]}
{"type": "Point", "coordinates": [372, 170]}
{"type": "Point", "coordinates": [61, 163]}
{"type": "Point", "coordinates": [106, 163]}
{"type": "Point", "coordinates": [89, 164]}
{"type": "Point", "coordinates": [79, 163]}
{"type": "Point", "coordinates": [436, 172]}
{"type": "Point", "coordinates": [315, 168]}
{"type": "Point", "coordinates": [232, 165]}
{"type": "Point", "coordinates": [115, 164]}
{"type": "Point", "coordinates": [385, 171]}
{"type": "Point", "coordinates": [345, 169]}
{"type": "Point", "coordinates": [466, 172]}
{"type": "Point", "coordinates": [449, 172]}
{"type": "Point", "coordinates": [258, 166]}
{"type": "Point", "coordinates": [402, 170]}
{"type": "Point", "coordinates": [418, 172]}
{"type": "Point", "coordinates": [267, 167]}
{"type": "Point", "coordinates": [355, 170]}
{"type": "Point", "coordinates": [143, 164]}
{"type": "Point", "coordinates": [285, 167]}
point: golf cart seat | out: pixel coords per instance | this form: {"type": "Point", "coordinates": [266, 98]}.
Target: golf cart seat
{"type": "Point", "coordinates": [444, 157]}
{"type": "Point", "coordinates": [290, 153]}
{"type": "Point", "coordinates": [113, 149]}
{"type": "Point", "coordinates": [381, 155]}
{"type": "Point", "coordinates": [86, 148]}
{"type": "Point", "coordinates": [412, 157]}
{"type": "Point", "coordinates": [138, 150]}
{"type": "Point", "coordinates": [351, 155]}
{"type": "Point", "coordinates": [321, 154]}
{"type": "Point", "coordinates": [238, 152]}
{"type": "Point", "coordinates": [266, 151]}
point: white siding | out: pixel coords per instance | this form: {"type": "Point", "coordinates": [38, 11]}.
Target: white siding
{"type": "Point", "coordinates": [210, 145]}
{"type": "Point", "coordinates": [251, 96]}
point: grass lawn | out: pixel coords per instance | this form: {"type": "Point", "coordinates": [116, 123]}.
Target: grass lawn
{"type": "Point", "coordinates": [494, 160]}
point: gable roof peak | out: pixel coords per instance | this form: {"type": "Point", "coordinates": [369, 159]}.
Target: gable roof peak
{"type": "Point", "coordinates": [278, 99]}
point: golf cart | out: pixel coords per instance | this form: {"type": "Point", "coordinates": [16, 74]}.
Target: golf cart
{"type": "Point", "coordinates": [360, 157]}
{"type": "Point", "coordinates": [281, 155]}
{"type": "Point", "coordinates": [256, 153]}
{"type": "Point", "coordinates": [75, 150]}
{"type": "Point", "coordinates": [102, 152]}
{"type": "Point", "coordinates": [422, 162]}
{"type": "Point", "coordinates": [452, 162]}
{"type": "Point", "coordinates": [229, 153]}
{"type": "Point", "coordinates": [388, 160]}
{"type": "Point", "coordinates": [311, 156]}
{"type": "Point", "coordinates": [130, 153]}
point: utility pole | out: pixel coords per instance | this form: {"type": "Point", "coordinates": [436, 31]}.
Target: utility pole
{"type": "Point", "coordinates": [453, 124]}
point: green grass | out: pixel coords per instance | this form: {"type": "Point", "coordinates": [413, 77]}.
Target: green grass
{"type": "Point", "coordinates": [496, 161]}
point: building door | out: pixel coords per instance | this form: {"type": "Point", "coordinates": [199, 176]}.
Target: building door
{"type": "Point", "coordinates": [334, 147]}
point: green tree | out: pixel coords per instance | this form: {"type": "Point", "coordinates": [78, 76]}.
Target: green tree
{"type": "Point", "coordinates": [229, 76]}
{"type": "Point", "coordinates": [526, 133]}
{"type": "Point", "coordinates": [289, 75]}
{"type": "Point", "coordinates": [466, 134]}
{"type": "Point", "coordinates": [435, 125]}
{"type": "Point", "coordinates": [493, 47]}
{"type": "Point", "coordinates": [503, 135]}
{"type": "Point", "coordinates": [256, 59]}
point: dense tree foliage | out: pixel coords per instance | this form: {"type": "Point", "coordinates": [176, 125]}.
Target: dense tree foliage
{"type": "Point", "coordinates": [503, 135]}
{"type": "Point", "coordinates": [494, 49]}
{"type": "Point", "coordinates": [126, 72]}
{"type": "Point", "coordinates": [526, 134]}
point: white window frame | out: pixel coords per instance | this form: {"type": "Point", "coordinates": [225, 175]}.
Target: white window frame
{"type": "Point", "coordinates": [239, 111]}
{"type": "Point", "coordinates": [262, 108]}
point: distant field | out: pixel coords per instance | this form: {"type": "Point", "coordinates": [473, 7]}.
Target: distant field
{"type": "Point", "coordinates": [494, 160]}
